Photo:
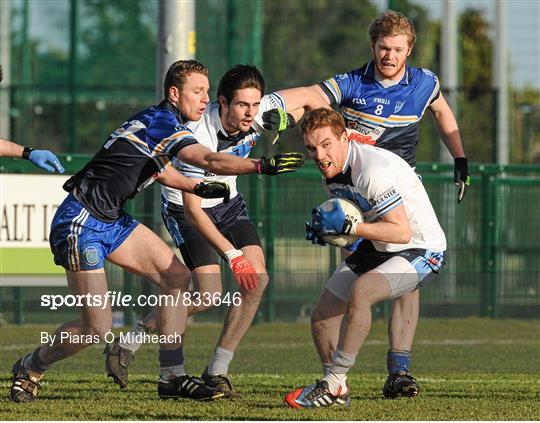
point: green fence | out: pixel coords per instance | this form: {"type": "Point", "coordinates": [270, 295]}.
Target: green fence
{"type": "Point", "coordinates": [493, 260]}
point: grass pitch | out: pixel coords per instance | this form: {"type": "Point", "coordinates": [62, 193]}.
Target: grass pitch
{"type": "Point", "coordinates": [468, 369]}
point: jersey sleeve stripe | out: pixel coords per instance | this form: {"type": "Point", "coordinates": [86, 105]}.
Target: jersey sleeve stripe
{"type": "Point", "coordinates": [435, 93]}
{"type": "Point", "coordinates": [385, 202]}
{"type": "Point", "coordinates": [276, 100]}
{"type": "Point", "coordinates": [167, 143]}
{"type": "Point", "coordinates": [191, 171]}
{"type": "Point", "coordinates": [333, 87]}
{"type": "Point", "coordinates": [389, 206]}
{"type": "Point", "coordinates": [193, 174]}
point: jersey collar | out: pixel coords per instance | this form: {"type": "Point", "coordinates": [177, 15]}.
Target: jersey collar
{"type": "Point", "coordinates": [167, 105]}
{"type": "Point", "coordinates": [369, 72]}
{"type": "Point", "coordinates": [222, 133]}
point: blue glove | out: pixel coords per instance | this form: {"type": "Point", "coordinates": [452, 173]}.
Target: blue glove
{"type": "Point", "coordinates": [41, 158]}
{"type": "Point", "coordinates": [311, 235]}
{"type": "Point", "coordinates": [332, 222]}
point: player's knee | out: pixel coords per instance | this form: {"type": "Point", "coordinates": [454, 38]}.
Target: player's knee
{"type": "Point", "coordinates": [359, 299]}
{"type": "Point", "coordinates": [176, 280]}
{"type": "Point", "coordinates": [263, 282]}
{"type": "Point", "coordinates": [317, 315]}
{"type": "Point", "coordinates": [98, 330]}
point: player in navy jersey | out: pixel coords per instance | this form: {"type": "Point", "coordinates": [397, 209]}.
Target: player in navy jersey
{"type": "Point", "coordinates": [202, 227]}
{"type": "Point", "coordinates": [91, 226]}
{"type": "Point", "coordinates": [403, 249]}
{"type": "Point", "coordinates": [384, 101]}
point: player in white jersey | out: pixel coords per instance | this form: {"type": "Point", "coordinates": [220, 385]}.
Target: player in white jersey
{"type": "Point", "coordinates": [230, 125]}
{"type": "Point", "coordinates": [403, 250]}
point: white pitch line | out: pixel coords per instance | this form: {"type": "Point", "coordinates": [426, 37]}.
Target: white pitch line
{"type": "Point", "coordinates": [274, 345]}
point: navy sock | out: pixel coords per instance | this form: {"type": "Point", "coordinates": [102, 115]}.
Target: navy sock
{"type": "Point", "coordinates": [169, 358]}
{"type": "Point", "coordinates": [171, 364]}
{"type": "Point", "coordinates": [398, 361]}
{"type": "Point", "coordinates": [33, 362]}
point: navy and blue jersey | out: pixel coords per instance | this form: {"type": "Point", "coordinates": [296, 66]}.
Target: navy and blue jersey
{"type": "Point", "coordinates": [388, 117]}
{"type": "Point", "coordinates": [130, 160]}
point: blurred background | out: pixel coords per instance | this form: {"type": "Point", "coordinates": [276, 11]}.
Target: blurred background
{"type": "Point", "coordinates": [74, 70]}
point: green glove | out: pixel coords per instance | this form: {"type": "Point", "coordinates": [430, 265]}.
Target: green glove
{"type": "Point", "coordinates": [277, 120]}
{"type": "Point", "coordinates": [280, 163]}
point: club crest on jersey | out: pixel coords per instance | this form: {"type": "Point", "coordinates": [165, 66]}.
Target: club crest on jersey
{"type": "Point", "coordinates": [399, 106]}
{"type": "Point", "coordinates": [90, 255]}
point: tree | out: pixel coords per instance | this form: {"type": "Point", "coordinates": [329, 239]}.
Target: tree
{"type": "Point", "coordinates": [476, 97]}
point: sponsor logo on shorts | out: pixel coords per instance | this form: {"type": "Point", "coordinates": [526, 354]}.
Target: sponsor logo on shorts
{"type": "Point", "coordinates": [91, 256]}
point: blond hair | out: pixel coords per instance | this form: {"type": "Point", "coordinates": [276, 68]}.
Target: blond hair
{"type": "Point", "coordinates": [179, 71]}
{"type": "Point", "coordinates": [389, 24]}
{"type": "Point", "coordinates": [321, 118]}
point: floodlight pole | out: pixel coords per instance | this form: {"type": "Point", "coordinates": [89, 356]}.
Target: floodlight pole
{"type": "Point", "coordinates": [449, 74]}
{"type": "Point", "coordinates": [6, 69]}
{"type": "Point", "coordinates": [176, 37]}
{"type": "Point", "coordinates": [500, 84]}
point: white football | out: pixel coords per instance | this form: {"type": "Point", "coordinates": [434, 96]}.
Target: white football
{"type": "Point", "coordinates": [353, 213]}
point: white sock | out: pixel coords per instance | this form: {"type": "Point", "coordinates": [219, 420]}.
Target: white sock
{"type": "Point", "coordinates": [134, 338]}
{"type": "Point", "coordinates": [168, 373]}
{"type": "Point", "coordinates": [336, 373]}
{"type": "Point", "coordinates": [335, 382]}
{"type": "Point", "coordinates": [326, 367]}
{"type": "Point", "coordinates": [219, 363]}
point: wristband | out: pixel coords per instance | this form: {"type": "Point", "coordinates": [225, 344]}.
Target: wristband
{"type": "Point", "coordinates": [26, 152]}
{"type": "Point", "coordinates": [232, 254]}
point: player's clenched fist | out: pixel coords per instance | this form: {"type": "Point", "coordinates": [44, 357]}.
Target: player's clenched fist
{"type": "Point", "coordinates": [244, 273]}
{"type": "Point", "coordinates": [213, 189]}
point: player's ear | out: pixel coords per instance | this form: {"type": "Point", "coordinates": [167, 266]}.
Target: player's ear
{"type": "Point", "coordinates": [174, 93]}
{"type": "Point", "coordinates": [223, 101]}
{"type": "Point", "coordinates": [344, 137]}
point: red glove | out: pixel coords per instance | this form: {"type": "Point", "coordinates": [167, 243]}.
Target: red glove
{"type": "Point", "coordinates": [244, 273]}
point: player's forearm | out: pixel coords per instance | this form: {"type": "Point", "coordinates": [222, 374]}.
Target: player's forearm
{"type": "Point", "coordinates": [10, 149]}
{"type": "Point", "coordinates": [304, 98]}
{"type": "Point", "coordinates": [173, 179]}
{"type": "Point", "coordinates": [218, 163]}
{"type": "Point", "coordinates": [452, 140]}
{"type": "Point", "coordinates": [200, 220]}
{"type": "Point", "coordinates": [226, 164]}
{"type": "Point", "coordinates": [448, 127]}
{"type": "Point", "coordinates": [393, 233]}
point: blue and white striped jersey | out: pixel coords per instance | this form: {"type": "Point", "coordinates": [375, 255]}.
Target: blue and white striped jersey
{"type": "Point", "coordinates": [130, 160]}
{"type": "Point", "coordinates": [378, 181]}
{"type": "Point", "coordinates": [388, 117]}
{"type": "Point", "coordinates": [210, 133]}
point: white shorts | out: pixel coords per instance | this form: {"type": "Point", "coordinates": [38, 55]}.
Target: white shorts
{"type": "Point", "coordinates": [404, 271]}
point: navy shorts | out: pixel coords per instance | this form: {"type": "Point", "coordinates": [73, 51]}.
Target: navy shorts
{"type": "Point", "coordinates": [231, 219]}
{"type": "Point", "coordinates": [79, 241]}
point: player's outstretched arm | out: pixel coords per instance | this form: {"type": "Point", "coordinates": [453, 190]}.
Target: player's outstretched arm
{"type": "Point", "coordinates": [448, 128]}
{"type": "Point", "coordinates": [174, 179]}
{"type": "Point", "coordinates": [244, 273]}
{"type": "Point", "coordinates": [43, 159]}
{"type": "Point", "coordinates": [227, 164]}
{"type": "Point", "coordinates": [305, 98]}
